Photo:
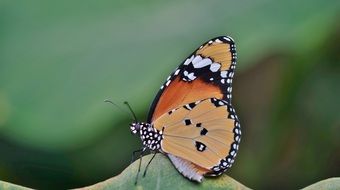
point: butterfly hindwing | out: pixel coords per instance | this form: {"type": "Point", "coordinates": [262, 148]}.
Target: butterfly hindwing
{"type": "Point", "coordinates": [207, 72]}
{"type": "Point", "coordinates": [201, 133]}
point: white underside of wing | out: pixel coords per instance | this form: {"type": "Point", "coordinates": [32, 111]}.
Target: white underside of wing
{"type": "Point", "coordinates": [185, 168]}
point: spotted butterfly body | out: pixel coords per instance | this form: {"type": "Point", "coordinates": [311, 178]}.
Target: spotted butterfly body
{"type": "Point", "coordinates": [192, 120]}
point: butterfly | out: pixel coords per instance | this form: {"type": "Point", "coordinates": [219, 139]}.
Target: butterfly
{"type": "Point", "coordinates": [191, 119]}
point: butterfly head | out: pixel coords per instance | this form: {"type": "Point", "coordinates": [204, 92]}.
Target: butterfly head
{"type": "Point", "coordinates": [137, 127]}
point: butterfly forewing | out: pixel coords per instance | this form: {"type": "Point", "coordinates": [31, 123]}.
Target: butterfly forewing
{"type": "Point", "coordinates": [206, 73]}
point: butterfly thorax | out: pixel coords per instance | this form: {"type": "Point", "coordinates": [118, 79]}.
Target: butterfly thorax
{"type": "Point", "coordinates": [150, 136]}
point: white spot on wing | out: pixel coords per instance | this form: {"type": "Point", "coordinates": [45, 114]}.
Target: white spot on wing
{"type": "Point", "coordinates": [218, 40]}
{"type": "Point", "coordinates": [226, 38]}
{"type": "Point", "coordinates": [191, 76]}
{"type": "Point", "coordinates": [168, 82]}
{"type": "Point", "coordinates": [224, 74]}
{"type": "Point", "coordinates": [214, 67]}
{"type": "Point", "coordinates": [203, 63]}
{"type": "Point", "coordinates": [188, 60]}
{"type": "Point", "coordinates": [196, 59]}
{"type": "Point", "coordinates": [177, 71]}
{"type": "Point", "coordinates": [185, 73]}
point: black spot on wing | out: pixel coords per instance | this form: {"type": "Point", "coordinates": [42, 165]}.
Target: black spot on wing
{"type": "Point", "coordinates": [217, 102]}
{"type": "Point", "coordinates": [204, 131]}
{"type": "Point", "coordinates": [200, 146]}
{"type": "Point", "coordinates": [187, 122]}
{"type": "Point", "coordinates": [190, 106]}
{"type": "Point", "coordinates": [170, 112]}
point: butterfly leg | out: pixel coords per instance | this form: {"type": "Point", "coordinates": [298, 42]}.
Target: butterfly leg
{"type": "Point", "coordinates": [147, 166]}
{"type": "Point", "coordinates": [134, 154]}
{"type": "Point", "coordinates": [140, 163]}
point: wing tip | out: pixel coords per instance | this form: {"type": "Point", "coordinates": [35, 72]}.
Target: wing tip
{"type": "Point", "coordinates": [225, 39]}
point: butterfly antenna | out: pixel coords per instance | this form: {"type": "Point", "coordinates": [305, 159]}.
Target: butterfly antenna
{"type": "Point", "coordinates": [132, 112]}
{"type": "Point", "coordinates": [109, 101]}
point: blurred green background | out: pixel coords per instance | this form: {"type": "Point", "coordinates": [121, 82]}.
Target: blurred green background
{"type": "Point", "coordinates": [60, 59]}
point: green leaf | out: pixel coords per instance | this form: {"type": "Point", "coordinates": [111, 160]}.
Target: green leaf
{"type": "Point", "coordinates": [162, 175]}
{"type": "Point", "coordinates": [10, 186]}
{"type": "Point", "coordinates": [329, 184]}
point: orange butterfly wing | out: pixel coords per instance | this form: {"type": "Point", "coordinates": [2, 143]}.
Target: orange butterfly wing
{"type": "Point", "coordinates": [207, 73]}
{"type": "Point", "coordinates": [204, 134]}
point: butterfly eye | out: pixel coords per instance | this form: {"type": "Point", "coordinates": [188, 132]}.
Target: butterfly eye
{"type": "Point", "coordinates": [134, 127]}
